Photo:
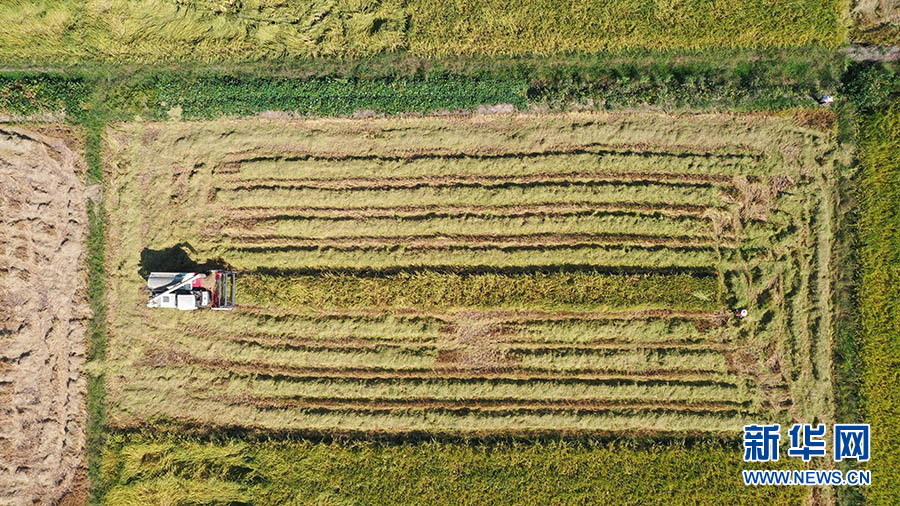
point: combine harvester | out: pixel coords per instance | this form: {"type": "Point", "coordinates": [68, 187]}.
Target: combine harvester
{"type": "Point", "coordinates": [191, 290]}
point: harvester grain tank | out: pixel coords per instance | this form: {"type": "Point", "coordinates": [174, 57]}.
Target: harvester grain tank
{"type": "Point", "coordinates": [191, 290]}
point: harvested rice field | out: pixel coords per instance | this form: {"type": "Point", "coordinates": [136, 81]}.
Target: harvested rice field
{"type": "Point", "coordinates": [478, 274]}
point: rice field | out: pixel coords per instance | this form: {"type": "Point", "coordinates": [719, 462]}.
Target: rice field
{"type": "Point", "coordinates": [476, 274]}
{"type": "Point", "coordinates": [150, 31]}
{"type": "Point", "coordinates": [172, 470]}
{"type": "Point", "coordinates": [552, 26]}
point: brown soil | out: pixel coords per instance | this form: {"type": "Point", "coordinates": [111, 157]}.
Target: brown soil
{"type": "Point", "coordinates": [43, 222]}
{"type": "Point", "coordinates": [824, 120]}
{"type": "Point", "coordinates": [866, 52]}
{"type": "Point", "coordinates": [474, 344]}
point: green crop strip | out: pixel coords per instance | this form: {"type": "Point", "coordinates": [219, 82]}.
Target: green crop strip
{"type": "Point", "coordinates": [538, 291]}
{"type": "Point", "coordinates": [97, 337]}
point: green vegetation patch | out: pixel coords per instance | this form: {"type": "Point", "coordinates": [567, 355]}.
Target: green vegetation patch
{"type": "Point", "coordinates": [142, 469]}
{"type": "Point", "coordinates": [585, 291]}
{"type": "Point", "coordinates": [29, 94]}
{"type": "Point", "coordinates": [879, 231]}
{"type": "Point", "coordinates": [216, 95]}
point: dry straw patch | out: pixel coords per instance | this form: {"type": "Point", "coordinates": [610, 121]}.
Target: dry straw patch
{"type": "Point", "coordinates": [43, 223]}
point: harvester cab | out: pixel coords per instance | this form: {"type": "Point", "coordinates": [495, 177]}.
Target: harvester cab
{"type": "Point", "coordinates": [191, 290]}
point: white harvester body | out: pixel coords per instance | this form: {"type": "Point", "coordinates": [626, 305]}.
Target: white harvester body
{"type": "Point", "coordinates": [191, 290]}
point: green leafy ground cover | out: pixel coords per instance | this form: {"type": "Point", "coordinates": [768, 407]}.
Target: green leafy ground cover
{"type": "Point", "coordinates": [541, 291]}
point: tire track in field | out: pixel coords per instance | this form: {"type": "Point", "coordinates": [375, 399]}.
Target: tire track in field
{"type": "Point", "coordinates": [472, 180]}
{"type": "Point", "coordinates": [494, 406]}
{"type": "Point", "coordinates": [283, 242]}
{"type": "Point", "coordinates": [643, 150]}
{"type": "Point", "coordinates": [522, 183]}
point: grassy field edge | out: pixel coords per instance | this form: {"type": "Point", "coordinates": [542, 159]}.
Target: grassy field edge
{"type": "Point", "coordinates": [742, 80]}
{"type": "Point", "coordinates": [96, 427]}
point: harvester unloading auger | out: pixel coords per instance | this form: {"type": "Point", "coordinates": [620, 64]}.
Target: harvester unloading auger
{"type": "Point", "coordinates": [191, 290]}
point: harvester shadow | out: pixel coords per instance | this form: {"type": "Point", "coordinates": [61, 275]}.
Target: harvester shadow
{"type": "Point", "coordinates": [176, 259]}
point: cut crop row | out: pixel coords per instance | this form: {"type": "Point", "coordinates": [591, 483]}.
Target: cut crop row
{"type": "Point", "coordinates": [471, 181]}
{"type": "Point", "coordinates": [498, 343]}
{"type": "Point", "coordinates": [624, 361]}
{"type": "Point", "coordinates": [477, 405]}
{"type": "Point", "coordinates": [247, 216]}
{"type": "Point", "coordinates": [398, 329]}
{"type": "Point", "coordinates": [637, 331]}
{"type": "Point", "coordinates": [591, 159]}
{"type": "Point", "coordinates": [234, 383]}
{"type": "Point", "coordinates": [174, 355]}
{"type": "Point", "coordinates": [512, 194]}
{"type": "Point", "coordinates": [182, 407]}
{"type": "Point", "coordinates": [593, 223]}
{"type": "Point", "coordinates": [429, 407]}
{"type": "Point", "coordinates": [481, 355]}
{"type": "Point", "coordinates": [265, 242]}
{"type": "Point", "coordinates": [620, 257]}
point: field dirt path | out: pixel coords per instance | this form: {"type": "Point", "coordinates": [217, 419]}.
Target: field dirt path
{"type": "Point", "coordinates": [43, 316]}
{"type": "Point", "coordinates": [866, 52]}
